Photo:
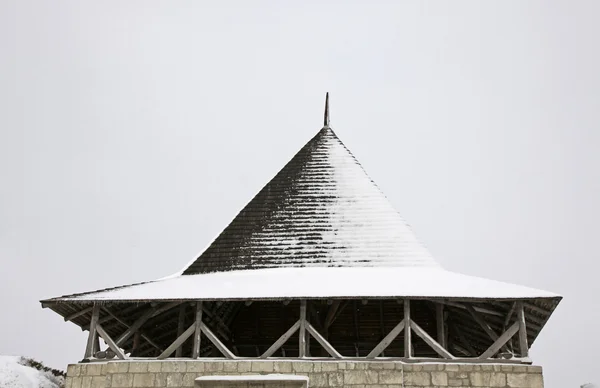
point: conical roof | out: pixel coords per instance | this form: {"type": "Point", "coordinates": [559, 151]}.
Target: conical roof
{"type": "Point", "coordinates": [320, 210]}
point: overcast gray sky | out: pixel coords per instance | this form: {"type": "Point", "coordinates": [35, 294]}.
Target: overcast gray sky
{"type": "Point", "coordinates": [131, 133]}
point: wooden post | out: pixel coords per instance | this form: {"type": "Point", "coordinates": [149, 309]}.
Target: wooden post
{"type": "Point", "coordinates": [302, 333]}
{"type": "Point", "coordinates": [197, 332]}
{"type": "Point", "coordinates": [180, 329]}
{"type": "Point", "coordinates": [523, 347]}
{"type": "Point", "coordinates": [89, 349]}
{"type": "Point", "coordinates": [407, 339]}
{"type": "Point", "coordinates": [439, 317]}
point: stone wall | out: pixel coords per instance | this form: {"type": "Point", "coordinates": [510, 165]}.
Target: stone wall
{"type": "Point", "coordinates": [352, 374]}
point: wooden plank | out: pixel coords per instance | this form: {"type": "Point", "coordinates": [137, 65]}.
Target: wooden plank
{"type": "Point", "coordinates": [135, 326]}
{"type": "Point", "coordinates": [302, 333]}
{"type": "Point", "coordinates": [282, 340]}
{"type": "Point", "coordinates": [198, 331]}
{"type": "Point", "coordinates": [493, 349]}
{"type": "Point", "coordinates": [439, 349]}
{"type": "Point", "coordinates": [145, 337]}
{"type": "Point", "coordinates": [509, 315]}
{"type": "Point", "coordinates": [523, 346]}
{"type": "Point", "coordinates": [180, 329]}
{"type": "Point", "coordinates": [109, 341]}
{"type": "Point", "coordinates": [177, 343]}
{"type": "Point", "coordinates": [407, 339]}
{"type": "Point", "coordinates": [439, 318]}
{"type": "Point", "coordinates": [387, 340]}
{"type": "Point", "coordinates": [324, 343]}
{"type": "Point", "coordinates": [477, 308]}
{"type": "Point", "coordinates": [213, 338]}
{"type": "Point", "coordinates": [484, 325]}
{"type": "Point", "coordinates": [89, 349]}
{"type": "Point", "coordinates": [78, 314]}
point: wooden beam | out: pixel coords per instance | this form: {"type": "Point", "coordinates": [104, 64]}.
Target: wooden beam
{"type": "Point", "coordinates": [387, 340]}
{"type": "Point", "coordinates": [177, 343]}
{"type": "Point", "coordinates": [407, 339]}
{"type": "Point", "coordinates": [213, 338]}
{"type": "Point", "coordinates": [302, 333]}
{"type": "Point", "coordinates": [282, 340]}
{"type": "Point", "coordinates": [441, 328]}
{"type": "Point", "coordinates": [78, 314]}
{"type": "Point", "coordinates": [326, 345]}
{"type": "Point", "coordinates": [476, 308]}
{"type": "Point", "coordinates": [145, 337]}
{"type": "Point", "coordinates": [89, 349]}
{"type": "Point", "coordinates": [484, 325]}
{"type": "Point", "coordinates": [381, 325]}
{"type": "Point", "coordinates": [331, 314]}
{"type": "Point", "coordinates": [135, 326]}
{"type": "Point", "coordinates": [198, 331]}
{"type": "Point", "coordinates": [180, 328]}
{"type": "Point", "coordinates": [509, 315]}
{"type": "Point", "coordinates": [109, 341]}
{"type": "Point", "coordinates": [499, 343]}
{"type": "Point", "coordinates": [523, 347]}
{"type": "Point", "coordinates": [439, 349]}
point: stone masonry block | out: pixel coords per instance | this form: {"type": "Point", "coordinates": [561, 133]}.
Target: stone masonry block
{"type": "Point", "coordinates": [86, 382]}
{"type": "Point", "coordinates": [262, 366]}
{"type": "Point", "coordinates": [244, 366]}
{"type": "Point", "coordinates": [154, 366]}
{"type": "Point", "coordinates": [498, 380]}
{"type": "Point", "coordinates": [188, 379]}
{"type": "Point", "coordinates": [534, 369]}
{"type": "Point", "coordinates": [213, 366]}
{"type": "Point", "coordinates": [93, 369]}
{"type": "Point", "coordinates": [121, 380]}
{"type": "Point", "coordinates": [173, 366]}
{"type": "Point", "coordinates": [302, 366]}
{"type": "Point", "coordinates": [390, 377]}
{"type": "Point", "coordinates": [174, 380]}
{"type": "Point", "coordinates": [328, 366]}
{"type": "Point", "coordinates": [524, 380]}
{"type": "Point", "coordinates": [336, 379]}
{"type": "Point", "coordinates": [230, 366]}
{"type": "Point", "coordinates": [282, 367]}
{"type": "Point", "coordinates": [318, 380]}
{"type": "Point", "coordinates": [160, 380]}
{"type": "Point", "coordinates": [143, 380]}
{"type": "Point", "coordinates": [138, 367]}
{"type": "Point", "coordinates": [439, 379]}
{"type": "Point", "coordinates": [455, 382]}
{"type": "Point", "coordinates": [98, 382]}
{"type": "Point", "coordinates": [452, 368]}
{"type": "Point", "coordinates": [76, 382]}
{"type": "Point", "coordinates": [420, 379]}
{"type": "Point", "coordinates": [73, 370]}
{"type": "Point", "coordinates": [354, 377]}
{"type": "Point", "coordinates": [429, 367]}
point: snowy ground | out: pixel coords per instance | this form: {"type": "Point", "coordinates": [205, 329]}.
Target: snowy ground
{"type": "Point", "coordinates": [15, 373]}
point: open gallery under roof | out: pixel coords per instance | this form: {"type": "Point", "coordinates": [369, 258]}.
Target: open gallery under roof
{"type": "Point", "coordinates": [318, 263]}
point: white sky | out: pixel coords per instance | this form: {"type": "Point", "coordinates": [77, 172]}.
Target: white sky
{"type": "Point", "coordinates": [132, 132]}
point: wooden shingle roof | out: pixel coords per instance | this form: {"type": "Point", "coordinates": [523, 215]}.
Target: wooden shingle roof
{"type": "Point", "coordinates": [320, 210]}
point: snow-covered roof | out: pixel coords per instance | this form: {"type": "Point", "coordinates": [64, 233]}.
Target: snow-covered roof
{"type": "Point", "coordinates": [324, 282]}
{"type": "Point", "coordinates": [319, 228]}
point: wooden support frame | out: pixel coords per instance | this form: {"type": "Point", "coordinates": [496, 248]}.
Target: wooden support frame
{"type": "Point", "coordinates": [439, 349]}
{"type": "Point", "coordinates": [282, 340]}
{"type": "Point", "coordinates": [197, 331]}
{"type": "Point", "coordinates": [145, 337]}
{"type": "Point", "coordinates": [109, 341]}
{"type": "Point", "coordinates": [324, 343]}
{"type": "Point", "coordinates": [178, 342]}
{"type": "Point", "coordinates": [500, 341]}
{"type": "Point", "coordinates": [135, 326]}
{"type": "Point", "coordinates": [464, 342]}
{"type": "Point", "coordinates": [78, 314]}
{"type": "Point", "coordinates": [89, 349]}
{"type": "Point", "coordinates": [523, 346]}
{"type": "Point", "coordinates": [387, 340]}
{"type": "Point", "coordinates": [302, 334]}
{"type": "Point", "coordinates": [180, 328]}
{"type": "Point", "coordinates": [484, 325]}
{"type": "Point", "coordinates": [215, 340]}
{"type": "Point", "coordinates": [407, 338]}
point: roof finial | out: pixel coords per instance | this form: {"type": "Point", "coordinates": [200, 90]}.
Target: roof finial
{"type": "Point", "coordinates": [326, 117]}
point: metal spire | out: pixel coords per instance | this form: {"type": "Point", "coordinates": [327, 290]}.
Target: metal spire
{"type": "Point", "coordinates": [326, 117]}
